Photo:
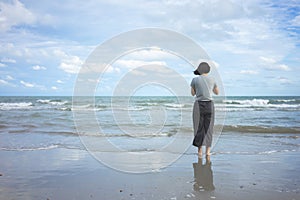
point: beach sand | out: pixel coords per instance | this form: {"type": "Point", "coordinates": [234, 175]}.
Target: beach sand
{"type": "Point", "coordinates": [243, 166]}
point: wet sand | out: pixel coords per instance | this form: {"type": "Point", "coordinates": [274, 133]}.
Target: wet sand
{"type": "Point", "coordinates": [243, 166]}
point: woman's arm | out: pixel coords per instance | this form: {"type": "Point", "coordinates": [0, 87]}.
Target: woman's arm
{"type": "Point", "coordinates": [216, 90]}
{"type": "Point", "coordinates": [193, 91]}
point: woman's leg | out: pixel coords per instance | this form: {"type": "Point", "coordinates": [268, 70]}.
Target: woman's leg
{"type": "Point", "coordinates": [200, 152]}
{"type": "Point", "coordinates": [208, 151]}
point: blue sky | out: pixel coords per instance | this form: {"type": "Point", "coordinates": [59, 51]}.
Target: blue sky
{"type": "Point", "coordinates": [254, 44]}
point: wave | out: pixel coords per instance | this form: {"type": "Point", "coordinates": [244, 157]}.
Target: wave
{"type": "Point", "coordinates": [260, 129]}
{"type": "Point", "coordinates": [284, 104]}
{"type": "Point", "coordinates": [16, 106]}
{"type": "Point", "coordinates": [254, 152]}
{"type": "Point", "coordinates": [253, 102]}
{"type": "Point", "coordinates": [285, 100]}
{"type": "Point", "coordinates": [29, 148]}
{"type": "Point", "coordinates": [52, 102]}
{"type": "Point", "coordinates": [43, 147]}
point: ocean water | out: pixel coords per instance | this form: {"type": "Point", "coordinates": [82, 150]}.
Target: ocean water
{"type": "Point", "coordinates": [140, 123]}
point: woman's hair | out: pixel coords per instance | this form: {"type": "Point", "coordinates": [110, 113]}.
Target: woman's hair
{"type": "Point", "coordinates": [203, 68]}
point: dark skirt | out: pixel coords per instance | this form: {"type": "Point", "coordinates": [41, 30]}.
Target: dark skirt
{"type": "Point", "coordinates": [203, 121]}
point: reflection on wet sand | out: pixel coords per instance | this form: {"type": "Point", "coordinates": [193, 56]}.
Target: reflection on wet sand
{"type": "Point", "coordinates": [203, 175]}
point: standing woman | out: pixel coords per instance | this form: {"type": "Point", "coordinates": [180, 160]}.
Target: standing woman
{"type": "Point", "coordinates": [203, 113]}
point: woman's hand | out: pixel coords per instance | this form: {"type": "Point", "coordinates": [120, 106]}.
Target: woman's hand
{"type": "Point", "coordinates": [193, 91]}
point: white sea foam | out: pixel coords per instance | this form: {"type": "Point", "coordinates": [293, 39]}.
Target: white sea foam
{"type": "Point", "coordinates": [16, 106]}
{"type": "Point", "coordinates": [253, 102]}
{"type": "Point", "coordinates": [52, 102]}
{"type": "Point", "coordinates": [286, 100]}
{"type": "Point", "coordinates": [174, 105]}
{"type": "Point", "coordinates": [258, 103]}
{"type": "Point", "coordinates": [54, 146]}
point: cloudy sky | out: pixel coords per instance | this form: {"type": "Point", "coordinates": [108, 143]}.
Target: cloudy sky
{"type": "Point", "coordinates": [255, 44]}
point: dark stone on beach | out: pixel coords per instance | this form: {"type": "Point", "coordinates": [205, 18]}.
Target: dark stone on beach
{"type": "Point", "coordinates": [254, 183]}
{"type": "Point", "coordinates": [1, 174]}
{"type": "Point", "coordinates": [121, 190]}
{"type": "Point", "coordinates": [131, 194]}
{"type": "Point", "coordinates": [241, 187]}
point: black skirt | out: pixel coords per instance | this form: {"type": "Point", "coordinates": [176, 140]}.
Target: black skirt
{"type": "Point", "coordinates": [203, 121]}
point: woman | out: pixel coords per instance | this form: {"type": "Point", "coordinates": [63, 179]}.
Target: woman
{"type": "Point", "coordinates": [203, 114]}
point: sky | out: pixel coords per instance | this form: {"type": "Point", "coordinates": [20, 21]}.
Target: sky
{"type": "Point", "coordinates": [254, 44]}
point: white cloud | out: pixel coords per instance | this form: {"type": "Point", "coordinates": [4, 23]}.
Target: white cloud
{"type": "Point", "coordinates": [268, 60]}
{"type": "Point", "coordinates": [153, 53]}
{"type": "Point", "coordinates": [130, 64]}
{"type": "Point", "coordinates": [59, 81]}
{"type": "Point", "coordinates": [284, 80]}
{"type": "Point", "coordinates": [8, 60]}
{"type": "Point", "coordinates": [296, 21]}
{"type": "Point", "coordinates": [3, 82]}
{"type": "Point", "coordinates": [14, 14]}
{"type": "Point", "coordinates": [8, 77]}
{"type": "Point", "coordinates": [38, 67]}
{"type": "Point", "coordinates": [2, 65]}
{"type": "Point", "coordinates": [112, 69]}
{"type": "Point", "coordinates": [69, 63]}
{"type": "Point", "coordinates": [283, 67]}
{"type": "Point", "coordinates": [272, 64]}
{"type": "Point", "coordinates": [6, 83]}
{"type": "Point", "coordinates": [280, 67]}
{"type": "Point", "coordinates": [250, 72]}
{"type": "Point", "coordinates": [27, 84]}
{"type": "Point", "coordinates": [32, 85]}
{"type": "Point", "coordinates": [54, 88]}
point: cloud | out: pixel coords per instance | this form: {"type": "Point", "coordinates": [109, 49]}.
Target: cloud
{"type": "Point", "coordinates": [54, 88]}
{"type": "Point", "coordinates": [3, 82]}
{"type": "Point", "coordinates": [26, 84]}
{"type": "Point", "coordinates": [268, 60]}
{"type": "Point", "coordinates": [284, 81]}
{"type": "Point", "coordinates": [2, 65]}
{"type": "Point", "coordinates": [6, 83]}
{"type": "Point", "coordinates": [8, 77]}
{"type": "Point", "coordinates": [250, 72]}
{"type": "Point", "coordinates": [59, 81]}
{"type": "Point", "coordinates": [131, 64]}
{"type": "Point", "coordinates": [279, 67]}
{"type": "Point", "coordinates": [32, 85]}
{"type": "Point", "coordinates": [296, 21]}
{"type": "Point", "coordinates": [272, 64]}
{"type": "Point", "coordinates": [14, 14]}
{"type": "Point", "coordinates": [112, 69]}
{"type": "Point", "coordinates": [37, 67]}
{"type": "Point", "coordinates": [154, 53]}
{"type": "Point", "coordinates": [8, 60]}
{"type": "Point", "coordinates": [69, 63]}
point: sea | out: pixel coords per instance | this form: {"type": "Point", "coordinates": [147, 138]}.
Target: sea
{"type": "Point", "coordinates": [32, 123]}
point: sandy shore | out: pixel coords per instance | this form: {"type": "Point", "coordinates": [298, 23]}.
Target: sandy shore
{"type": "Point", "coordinates": [255, 167]}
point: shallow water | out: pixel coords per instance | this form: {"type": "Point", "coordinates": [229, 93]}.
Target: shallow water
{"type": "Point", "coordinates": [29, 123]}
